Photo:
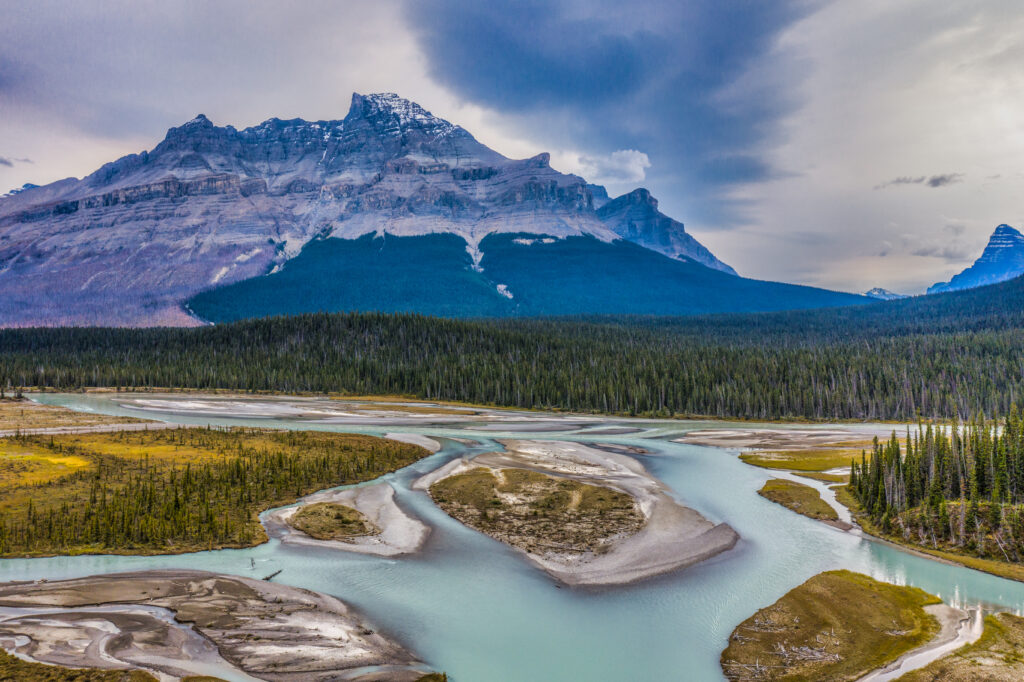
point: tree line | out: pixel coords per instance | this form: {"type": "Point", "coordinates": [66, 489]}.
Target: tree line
{"type": "Point", "coordinates": [819, 365]}
{"type": "Point", "coordinates": [960, 486]}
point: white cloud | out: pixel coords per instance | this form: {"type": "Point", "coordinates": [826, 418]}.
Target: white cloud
{"type": "Point", "coordinates": [620, 170]}
{"type": "Point", "coordinates": [89, 86]}
{"type": "Point", "coordinates": [908, 90]}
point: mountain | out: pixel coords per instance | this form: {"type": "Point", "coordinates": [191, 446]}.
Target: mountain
{"type": "Point", "coordinates": [518, 275]}
{"type": "Point", "coordinates": [1002, 259]}
{"type": "Point", "coordinates": [635, 217]}
{"type": "Point", "coordinates": [881, 294]}
{"type": "Point", "coordinates": [389, 208]}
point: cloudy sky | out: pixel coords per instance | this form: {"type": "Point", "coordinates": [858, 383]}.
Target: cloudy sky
{"type": "Point", "coordinates": [841, 144]}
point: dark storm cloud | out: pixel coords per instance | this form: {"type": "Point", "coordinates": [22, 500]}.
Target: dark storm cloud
{"type": "Point", "coordinates": [9, 162]}
{"type": "Point", "coordinates": [671, 79]}
{"type": "Point", "coordinates": [930, 181]}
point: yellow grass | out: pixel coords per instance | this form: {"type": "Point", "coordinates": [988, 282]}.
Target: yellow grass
{"type": "Point", "coordinates": [803, 499]}
{"type": "Point", "coordinates": [27, 465]}
{"type": "Point", "coordinates": [812, 459]}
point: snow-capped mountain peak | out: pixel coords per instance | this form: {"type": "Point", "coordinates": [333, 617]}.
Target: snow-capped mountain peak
{"type": "Point", "coordinates": [394, 114]}
{"type": "Point", "coordinates": [211, 205]}
{"type": "Point", "coordinates": [883, 294]}
{"type": "Point", "coordinates": [1002, 259]}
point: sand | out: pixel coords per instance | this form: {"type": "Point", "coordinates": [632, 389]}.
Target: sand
{"type": "Point", "coordinates": [176, 622]}
{"type": "Point", "coordinates": [672, 537]}
{"type": "Point", "coordinates": [779, 439]}
{"type": "Point", "coordinates": [98, 428]}
{"type": "Point", "coordinates": [400, 532]}
{"type": "Point", "coordinates": [424, 442]}
{"type": "Point", "coordinates": [957, 628]}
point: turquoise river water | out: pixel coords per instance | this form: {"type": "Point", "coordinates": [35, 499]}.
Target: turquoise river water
{"type": "Point", "coordinates": [472, 607]}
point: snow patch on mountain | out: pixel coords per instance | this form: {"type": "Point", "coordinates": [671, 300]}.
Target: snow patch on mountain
{"type": "Point", "coordinates": [883, 294]}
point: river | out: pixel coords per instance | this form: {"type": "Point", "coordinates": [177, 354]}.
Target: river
{"type": "Point", "coordinates": [472, 607]}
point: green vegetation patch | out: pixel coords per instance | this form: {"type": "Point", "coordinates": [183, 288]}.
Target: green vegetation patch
{"type": "Point", "coordinates": [998, 656]}
{"type": "Point", "coordinates": [837, 626]}
{"type": "Point", "coordinates": [332, 521]}
{"type": "Point", "coordinates": [813, 459]}
{"type": "Point", "coordinates": [537, 512]}
{"type": "Point", "coordinates": [803, 499]}
{"type": "Point", "coordinates": [13, 669]}
{"type": "Point", "coordinates": [171, 490]}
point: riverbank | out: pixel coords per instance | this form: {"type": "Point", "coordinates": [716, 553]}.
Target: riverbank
{"type": "Point", "coordinates": [1002, 569]}
{"type": "Point", "coordinates": [166, 621]}
{"type": "Point", "coordinates": [487, 596]}
{"type": "Point", "coordinates": [26, 416]}
{"type": "Point", "coordinates": [398, 532]}
{"type": "Point", "coordinates": [803, 499]}
{"type": "Point", "coordinates": [957, 628]}
{"type": "Point", "coordinates": [997, 656]}
{"type": "Point", "coordinates": [391, 398]}
{"type": "Point", "coordinates": [836, 626]}
{"type": "Point", "coordinates": [672, 536]}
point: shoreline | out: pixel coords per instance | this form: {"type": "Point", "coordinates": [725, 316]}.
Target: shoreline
{"type": "Point", "coordinates": [142, 619]}
{"type": "Point", "coordinates": [400, 532]}
{"type": "Point", "coordinates": [957, 628]}
{"type": "Point", "coordinates": [672, 537]}
{"type": "Point", "coordinates": [392, 398]}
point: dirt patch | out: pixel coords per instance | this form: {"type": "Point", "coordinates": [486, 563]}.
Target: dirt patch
{"type": "Point", "coordinates": [537, 512]}
{"type": "Point", "coordinates": [332, 521]}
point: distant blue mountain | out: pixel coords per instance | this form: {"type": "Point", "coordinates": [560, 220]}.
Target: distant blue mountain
{"type": "Point", "coordinates": [883, 294]}
{"type": "Point", "coordinates": [1002, 259]}
{"type": "Point", "coordinates": [517, 275]}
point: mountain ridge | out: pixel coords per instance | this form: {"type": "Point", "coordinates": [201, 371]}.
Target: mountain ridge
{"type": "Point", "coordinates": [635, 217]}
{"type": "Point", "coordinates": [211, 205]}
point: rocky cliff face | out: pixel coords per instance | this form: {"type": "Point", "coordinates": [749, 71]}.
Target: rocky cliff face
{"type": "Point", "coordinates": [212, 205]}
{"type": "Point", "coordinates": [1002, 259]}
{"type": "Point", "coordinates": [635, 217]}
